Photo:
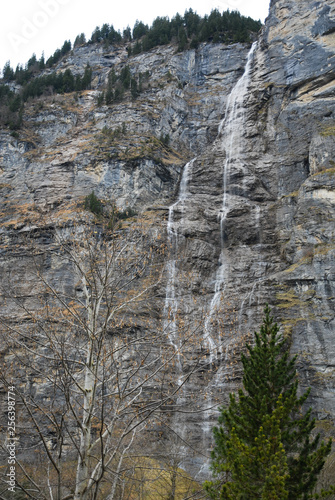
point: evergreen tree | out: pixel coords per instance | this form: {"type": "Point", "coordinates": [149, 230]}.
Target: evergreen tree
{"type": "Point", "coordinates": [101, 99]}
{"type": "Point", "coordinates": [264, 447]}
{"type": "Point", "coordinates": [176, 22]}
{"type": "Point", "coordinates": [127, 34]}
{"type": "Point", "coordinates": [8, 72]}
{"type": "Point", "coordinates": [96, 35]}
{"type": "Point", "coordinates": [87, 77]}
{"type": "Point", "coordinates": [68, 81]}
{"type": "Point", "coordinates": [139, 30]}
{"type": "Point", "coordinates": [93, 204]}
{"type": "Point", "coordinates": [66, 47]}
{"type": "Point", "coordinates": [125, 77]}
{"type": "Point", "coordinates": [182, 39]}
{"type": "Point", "coordinates": [109, 96]}
{"type": "Point", "coordinates": [146, 43]}
{"type": "Point", "coordinates": [134, 88]}
{"type": "Point", "coordinates": [105, 30]}
{"type": "Point", "coordinates": [137, 49]}
{"type": "Point", "coordinates": [41, 62]}
{"type": "Point", "coordinates": [32, 61]}
{"type": "Point", "coordinates": [80, 40]}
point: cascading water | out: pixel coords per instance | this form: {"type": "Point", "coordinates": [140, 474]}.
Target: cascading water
{"type": "Point", "coordinates": [172, 302]}
{"type": "Point", "coordinates": [174, 240]}
{"type": "Point", "coordinates": [171, 297]}
{"type": "Point", "coordinates": [232, 131]}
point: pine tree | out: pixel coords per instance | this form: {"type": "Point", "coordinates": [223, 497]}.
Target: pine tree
{"type": "Point", "coordinates": [264, 447]}
{"type": "Point", "coordinates": [93, 204]}
{"type": "Point", "coordinates": [8, 72]}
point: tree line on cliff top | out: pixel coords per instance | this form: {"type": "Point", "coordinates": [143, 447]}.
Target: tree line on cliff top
{"type": "Point", "coordinates": [186, 31]}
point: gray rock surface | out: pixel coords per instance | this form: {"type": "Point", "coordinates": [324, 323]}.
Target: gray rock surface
{"type": "Point", "coordinates": [275, 200]}
{"type": "Point", "coordinates": [257, 222]}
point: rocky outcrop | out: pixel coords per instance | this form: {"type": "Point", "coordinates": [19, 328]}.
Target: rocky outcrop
{"type": "Point", "coordinates": [254, 220]}
{"type": "Point", "coordinates": [272, 192]}
{"type": "Point", "coordinates": [77, 147]}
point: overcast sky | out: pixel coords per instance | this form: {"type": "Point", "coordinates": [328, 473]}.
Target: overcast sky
{"type": "Point", "coordinates": [34, 26]}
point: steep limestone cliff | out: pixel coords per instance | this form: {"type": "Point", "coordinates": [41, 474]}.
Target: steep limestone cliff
{"type": "Point", "coordinates": [77, 146]}
{"type": "Point", "coordinates": [259, 221]}
{"type": "Point", "coordinates": [254, 219]}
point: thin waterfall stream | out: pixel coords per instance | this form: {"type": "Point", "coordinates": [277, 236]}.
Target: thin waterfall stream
{"type": "Point", "coordinates": [171, 297]}
{"type": "Point", "coordinates": [172, 301]}
{"type": "Point", "coordinates": [232, 131]}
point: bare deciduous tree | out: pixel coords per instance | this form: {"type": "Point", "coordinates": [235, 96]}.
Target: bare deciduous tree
{"type": "Point", "coordinates": [90, 379]}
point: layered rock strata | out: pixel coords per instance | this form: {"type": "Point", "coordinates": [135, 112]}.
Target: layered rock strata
{"type": "Point", "coordinates": [255, 223]}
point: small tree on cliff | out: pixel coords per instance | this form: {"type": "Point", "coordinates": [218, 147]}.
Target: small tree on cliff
{"type": "Point", "coordinates": [264, 447]}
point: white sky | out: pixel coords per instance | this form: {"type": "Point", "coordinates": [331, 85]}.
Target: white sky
{"type": "Point", "coordinates": [33, 26]}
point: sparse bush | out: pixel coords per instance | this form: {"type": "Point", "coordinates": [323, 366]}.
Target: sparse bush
{"type": "Point", "coordinates": [126, 213]}
{"type": "Point", "coordinates": [116, 215]}
{"type": "Point", "coordinates": [164, 139]}
{"type": "Point", "coordinates": [93, 204]}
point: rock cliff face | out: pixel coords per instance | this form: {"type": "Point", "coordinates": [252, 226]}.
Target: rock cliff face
{"type": "Point", "coordinates": [277, 179]}
{"type": "Point", "coordinates": [254, 218]}
{"type": "Point", "coordinates": [77, 146]}
{"type": "Point", "coordinates": [261, 199]}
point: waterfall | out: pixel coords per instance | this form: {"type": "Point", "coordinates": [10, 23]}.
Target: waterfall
{"type": "Point", "coordinates": [171, 296]}
{"type": "Point", "coordinates": [231, 130]}
{"type": "Point", "coordinates": [172, 302]}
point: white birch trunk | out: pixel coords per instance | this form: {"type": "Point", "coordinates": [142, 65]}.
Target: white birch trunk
{"type": "Point", "coordinates": [85, 431]}
{"type": "Point", "coordinates": [82, 475]}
